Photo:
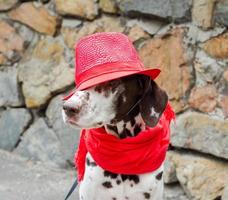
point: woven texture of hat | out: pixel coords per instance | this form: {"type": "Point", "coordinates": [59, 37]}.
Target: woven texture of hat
{"type": "Point", "coordinates": [103, 48]}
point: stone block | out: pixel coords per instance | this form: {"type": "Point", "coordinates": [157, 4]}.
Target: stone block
{"type": "Point", "coordinates": [9, 90]}
{"type": "Point", "coordinates": [221, 12]}
{"type": "Point", "coordinates": [81, 8]}
{"type": "Point", "coordinates": [68, 135]}
{"type": "Point", "coordinates": [200, 177]}
{"type": "Point", "coordinates": [45, 72]}
{"type": "Point", "coordinates": [201, 132]}
{"type": "Point", "coordinates": [13, 122]}
{"type": "Point", "coordinates": [40, 143]}
{"type": "Point", "coordinates": [171, 10]}
{"type": "Point", "coordinates": [35, 16]}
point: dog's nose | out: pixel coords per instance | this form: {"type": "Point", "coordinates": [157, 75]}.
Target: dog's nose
{"type": "Point", "coordinates": [69, 110]}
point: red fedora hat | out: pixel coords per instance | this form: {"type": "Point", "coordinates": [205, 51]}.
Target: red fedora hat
{"type": "Point", "coordinates": [106, 56]}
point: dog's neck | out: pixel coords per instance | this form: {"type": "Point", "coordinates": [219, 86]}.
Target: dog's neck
{"type": "Point", "coordinates": [131, 125]}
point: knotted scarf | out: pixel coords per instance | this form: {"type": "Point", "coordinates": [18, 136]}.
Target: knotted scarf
{"type": "Point", "coordinates": [134, 155]}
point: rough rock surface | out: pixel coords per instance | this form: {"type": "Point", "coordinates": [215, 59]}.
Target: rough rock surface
{"type": "Point", "coordinates": [28, 35]}
{"type": "Point", "coordinates": [27, 12]}
{"type": "Point", "coordinates": [207, 70]}
{"type": "Point", "coordinates": [221, 12]}
{"type": "Point", "coordinates": [196, 34]}
{"type": "Point", "coordinates": [9, 90]}
{"type": "Point", "coordinates": [202, 133]}
{"type": "Point", "coordinates": [46, 73]}
{"type": "Point", "coordinates": [223, 102]}
{"type": "Point", "coordinates": [136, 33]}
{"type": "Point", "coordinates": [104, 24]}
{"type": "Point", "coordinates": [11, 44]}
{"type": "Point", "coordinates": [68, 136]}
{"type": "Point", "coordinates": [12, 123]}
{"type": "Point", "coordinates": [202, 13]}
{"type": "Point", "coordinates": [173, 10]}
{"type": "Point", "coordinates": [201, 177]}
{"type": "Point", "coordinates": [22, 179]}
{"type": "Point", "coordinates": [225, 75]}
{"type": "Point", "coordinates": [174, 192]}
{"type": "Point", "coordinates": [82, 8]}
{"type": "Point", "coordinates": [40, 143]}
{"type": "Point", "coordinates": [6, 5]}
{"type": "Point", "coordinates": [150, 26]}
{"type": "Point", "coordinates": [169, 175]}
{"type": "Point", "coordinates": [176, 74]}
{"type": "Point", "coordinates": [203, 98]}
{"type": "Point", "coordinates": [3, 59]}
{"type": "Point", "coordinates": [225, 193]}
{"type": "Point", "coordinates": [217, 47]}
{"type": "Point", "coordinates": [108, 6]}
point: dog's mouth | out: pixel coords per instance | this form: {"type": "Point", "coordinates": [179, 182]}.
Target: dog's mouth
{"type": "Point", "coordinates": [71, 121]}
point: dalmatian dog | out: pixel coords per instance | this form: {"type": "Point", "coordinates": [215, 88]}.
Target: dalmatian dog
{"type": "Point", "coordinates": [124, 107]}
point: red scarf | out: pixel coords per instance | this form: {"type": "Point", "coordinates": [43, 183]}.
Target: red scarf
{"type": "Point", "coordinates": [134, 155]}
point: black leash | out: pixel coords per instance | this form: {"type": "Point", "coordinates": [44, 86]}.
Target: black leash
{"type": "Point", "coordinates": [75, 184]}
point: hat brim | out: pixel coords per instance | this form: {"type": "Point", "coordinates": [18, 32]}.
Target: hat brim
{"type": "Point", "coordinates": [152, 73]}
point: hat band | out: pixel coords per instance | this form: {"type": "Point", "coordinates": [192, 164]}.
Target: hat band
{"type": "Point", "coordinates": [107, 68]}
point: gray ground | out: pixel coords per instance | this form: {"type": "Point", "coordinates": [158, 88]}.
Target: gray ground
{"type": "Point", "coordinates": [21, 179]}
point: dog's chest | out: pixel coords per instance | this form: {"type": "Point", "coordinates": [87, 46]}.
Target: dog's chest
{"type": "Point", "coordinates": [103, 185]}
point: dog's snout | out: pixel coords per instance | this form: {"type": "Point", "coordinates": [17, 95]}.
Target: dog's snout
{"type": "Point", "coordinates": [69, 110]}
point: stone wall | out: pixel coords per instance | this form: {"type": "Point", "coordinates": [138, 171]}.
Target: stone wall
{"type": "Point", "coordinates": [187, 40]}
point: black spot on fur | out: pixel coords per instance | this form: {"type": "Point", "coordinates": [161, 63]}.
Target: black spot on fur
{"type": "Point", "coordinates": [159, 176]}
{"type": "Point", "coordinates": [132, 121]}
{"type": "Point", "coordinates": [107, 184]}
{"type": "Point", "coordinates": [89, 163]}
{"type": "Point", "coordinates": [99, 123]}
{"type": "Point", "coordinates": [112, 128]}
{"type": "Point", "coordinates": [124, 177]}
{"type": "Point", "coordinates": [132, 114]}
{"type": "Point", "coordinates": [125, 133]}
{"type": "Point", "coordinates": [114, 198]}
{"type": "Point", "coordinates": [110, 174]}
{"type": "Point", "coordinates": [137, 130]}
{"type": "Point", "coordinates": [118, 182]}
{"type": "Point", "coordinates": [93, 164]}
{"type": "Point", "coordinates": [134, 178]}
{"type": "Point", "coordinates": [98, 89]}
{"type": "Point", "coordinates": [119, 101]}
{"type": "Point", "coordinates": [146, 195]}
{"type": "Point", "coordinates": [113, 89]}
{"type": "Point", "coordinates": [218, 198]}
{"type": "Point", "coordinates": [87, 96]}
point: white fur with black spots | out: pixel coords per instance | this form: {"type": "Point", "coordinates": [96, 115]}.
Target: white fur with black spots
{"type": "Point", "coordinates": [124, 107]}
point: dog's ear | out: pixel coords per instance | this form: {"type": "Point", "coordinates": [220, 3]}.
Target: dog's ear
{"type": "Point", "coordinates": [153, 103]}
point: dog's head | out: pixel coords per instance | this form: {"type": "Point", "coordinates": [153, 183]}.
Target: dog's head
{"type": "Point", "coordinates": [112, 101]}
